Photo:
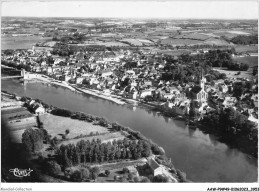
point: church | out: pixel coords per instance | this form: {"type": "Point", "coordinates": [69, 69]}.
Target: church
{"type": "Point", "coordinates": [198, 92]}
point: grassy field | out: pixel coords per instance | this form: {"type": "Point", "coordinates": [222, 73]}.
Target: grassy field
{"type": "Point", "coordinates": [104, 138]}
{"type": "Point", "coordinates": [245, 48]}
{"type": "Point", "coordinates": [121, 164]}
{"type": "Point", "coordinates": [56, 125]}
{"type": "Point", "coordinates": [171, 41]}
{"type": "Point", "coordinates": [250, 60]}
{"type": "Point", "coordinates": [231, 74]}
{"type": "Point", "coordinates": [132, 42]}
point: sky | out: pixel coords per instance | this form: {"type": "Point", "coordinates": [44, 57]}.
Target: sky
{"type": "Point", "coordinates": [247, 9]}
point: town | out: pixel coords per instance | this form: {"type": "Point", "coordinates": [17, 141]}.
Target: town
{"type": "Point", "coordinates": [201, 72]}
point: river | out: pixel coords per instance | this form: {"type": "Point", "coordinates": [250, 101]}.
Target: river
{"type": "Point", "coordinates": [200, 155]}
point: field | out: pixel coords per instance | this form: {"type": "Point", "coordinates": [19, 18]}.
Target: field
{"type": "Point", "coordinates": [175, 52]}
{"type": "Point", "coordinates": [250, 60]}
{"type": "Point", "coordinates": [245, 48]}
{"type": "Point", "coordinates": [231, 74]}
{"type": "Point", "coordinates": [104, 138]}
{"type": "Point", "coordinates": [195, 36]}
{"type": "Point", "coordinates": [113, 43]}
{"type": "Point", "coordinates": [121, 164]}
{"type": "Point", "coordinates": [228, 34]}
{"type": "Point", "coordinates": [56, 125]}
{"type": "Point", "coordinates": [218, 42]}
{"type": "Point", "coordinates": [180, 42]}
{"type": "Point", "coordinates": [21, 42]}
{"type": "Point", "coordinates": [132, 42]}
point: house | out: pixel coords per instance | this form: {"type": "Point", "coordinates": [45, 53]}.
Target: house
{"type": "Point", "coordinates": [229, 101]}
{"type": "Point", "coordinates": [133, 95]}
{"type": "Point", "coordinates": [146, 92]}
{"type": "Point", "coordinates": [79, 80]}
{"type": "Point", "coordinates": [223, 88]}
{"type": "Point", "coordinates": [106, 73]}
{"type": "Point", "coordinates": [36, 107]}
{"type": "Point", "coordinates": [39, 109]}
{"type": "Point", "coordinates": [154, 167]}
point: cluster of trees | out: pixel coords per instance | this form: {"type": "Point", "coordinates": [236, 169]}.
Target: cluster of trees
{"type": "Point", "coordinates": [75, 38]}
{"type": "Point", "coordinates": [8, 51]}
{"type": "Point", "coordinates": [239, 88]}
{"type": "Point", "coordinates": [137, 135]}
{"type": "Point", "coordinates": [215, 75]}
{"type": "Point", "coordinates": [95, 151]}
{"type": "Point", "coordinates": [214, 58]}
{"type": "Point", "coordinates": [15, 65]}
{"type": "Point", "coordinates": [245, 39]}
{"type": "Point", "coordinates": [102, 121]}
{"type": "Point", "coordinates": [130, 64]}
{"type": "Point", "coordinates": [63, 49]}
{"type": "Point", "coordinates": [33, 139]}
{"type": "Point", "coordinates": [184, 73]}
{"type": "Point", "coordinates": [238, 66]}
{"type": "Point", "coordinates": [231, 124]}
{"type": "Point", "coordinates": [255, 70]}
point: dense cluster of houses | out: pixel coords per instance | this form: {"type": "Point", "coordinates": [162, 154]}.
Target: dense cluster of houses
{"type": "Point", "coordinates": [109, 72]}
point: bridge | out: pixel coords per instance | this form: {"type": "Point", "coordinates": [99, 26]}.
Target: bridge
{"type": "Point", "coordinates": [11, 72]}
{"type": "Point", "coordinates": [11, 77]}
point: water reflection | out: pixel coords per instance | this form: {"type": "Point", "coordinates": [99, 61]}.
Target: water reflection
{"type": "Point", "coordinates": [191, 131]}
{"type": "Point", "coordinates": [213, 139]}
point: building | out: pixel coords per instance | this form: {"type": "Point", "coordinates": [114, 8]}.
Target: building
{"type": "Point", "coordinates": [154, 167]}
{"type": "Point", "coordinates": [198, 92]}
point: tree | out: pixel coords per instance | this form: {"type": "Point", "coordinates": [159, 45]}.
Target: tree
{"type": "Point", "coordinates": [94, 173]}
{"type": "Point", "coordinates": [67, 131]}
{"type": "Point", "coordinates": [125, 170]}
{"type": "Point", "coordinates": [192, 112]}
{"type": "Point", "coordinates": [76, 176]}
{"type": "Point", "coordinates": [130, 176]}
{"type": "Point", "coordinates": [33, 139]}
{"type": "Point", "coordinates": [136, 179]}
{"type": "Point", "coordinates": [181, 175]}
{"type": "Point", "coordinates": [160, 179]}
{"type": "Point", "coordinates": [85, 173]}
{"type": "Point", "coordinates": [107, 172]}
{"type": "Point", "coordinates": [118, 154]}
{"type": "Point", "coordinates": [52, 168]}
{"type": "Point", "coordinates": [145, 180]}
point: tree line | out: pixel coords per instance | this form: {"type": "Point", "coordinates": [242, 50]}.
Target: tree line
{"type": "Point", "coordinates": [95, 151]}
{"type": "Point", "coordinates": [231, 125]}
{"type": "Point", "coordinates": [245, 39]}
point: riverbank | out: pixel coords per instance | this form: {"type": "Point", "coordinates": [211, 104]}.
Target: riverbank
{"type": "Point", "coordinates": [176, 138]}
{"type": "Point", "coordinates": [244, 144]}
{"type": "Point", "coordinates": [99, 94]}
{"type": "Point", "coordinates": [93, 127]}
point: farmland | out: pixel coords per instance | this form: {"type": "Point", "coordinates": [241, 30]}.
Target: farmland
{"type": "Point", "coordinates": [246, 48]}
{"type": "Point", "coordinates": [250, 60]}
{"type": "Point", "coordinates": [56, 125]}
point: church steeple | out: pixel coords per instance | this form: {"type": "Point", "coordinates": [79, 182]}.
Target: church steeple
{"type": "Point", "coordinates": [202, 80]}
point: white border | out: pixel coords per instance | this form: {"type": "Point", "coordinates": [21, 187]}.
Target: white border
{"type": "Point", "coordinates": [132, 186]}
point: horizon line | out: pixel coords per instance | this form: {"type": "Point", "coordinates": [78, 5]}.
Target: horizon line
{"type": "Point", "coordinates": [177, 18]}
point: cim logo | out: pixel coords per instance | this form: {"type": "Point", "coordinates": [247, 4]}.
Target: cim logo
{"type": "Point", "coordinates": [21, 172]}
